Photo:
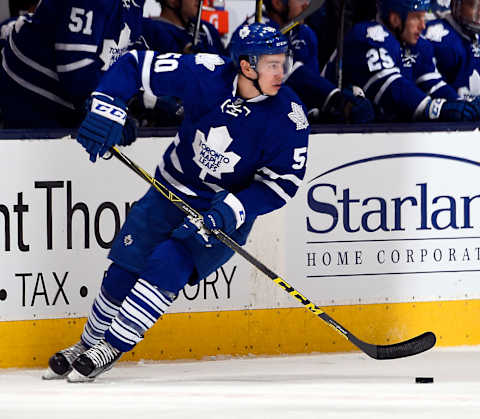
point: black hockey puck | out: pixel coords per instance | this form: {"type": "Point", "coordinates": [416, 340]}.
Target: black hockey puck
{"type": "Point", "coordinates": [424, 379]}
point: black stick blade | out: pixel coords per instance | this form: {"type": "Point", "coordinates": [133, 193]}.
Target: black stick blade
{"type": "Point", "coordinates": [409, 347]}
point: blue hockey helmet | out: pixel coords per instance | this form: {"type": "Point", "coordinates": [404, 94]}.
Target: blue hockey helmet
{"type": "Point", "coordinates": [467, 14]}
{"type": "Point", "coordinates": [402, 7]}
{"type": "Point", "coordinates": [254, 40]}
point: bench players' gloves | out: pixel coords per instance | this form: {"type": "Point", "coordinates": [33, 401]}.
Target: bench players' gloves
{"type": "Point", "coordinates": [349, 106]}
{"type": "Point", "coordinates": [226, 214]}
{"type": "Point", "coordinates": [452, 111]}
{"type": "Point", "coordinates": [475, 102]}
{"type": "Point", "coordinates": [358, 109]}
{"type": "Point", "coordinates": [102, 128]}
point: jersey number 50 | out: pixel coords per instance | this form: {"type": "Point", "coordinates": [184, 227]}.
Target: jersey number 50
{"type": "Point", "coordinates": [166, 62]}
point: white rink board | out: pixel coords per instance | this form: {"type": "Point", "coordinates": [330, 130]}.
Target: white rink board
{"type": "Point", "coordinates": [355, 183]}
{"type": "Point", "coordinates": [41, 277]}
{"type": "Point", "coordinates": [46, 278]}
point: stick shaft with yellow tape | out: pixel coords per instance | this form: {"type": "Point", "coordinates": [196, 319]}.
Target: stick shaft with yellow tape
{"type": "Point", "coordinates": [410, 347]}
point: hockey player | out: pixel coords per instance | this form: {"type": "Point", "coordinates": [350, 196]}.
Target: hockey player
{"type": "Point", "coordinates": [324, 101]}
{"type": "Point", "coordinates": [394, 66]}
{"type": "Point", "coordinates": [239, 153]}
{"type": "Point", "coordinates": [440, 8]}
{"type": "Point", "coordinates": [173, 30]}
{"type": "Point", "coordinates": [54, 58]}
{"type": "Point", "coordinates": [303, 40]}
{"type": "Point", "coordinates": [455, 39]}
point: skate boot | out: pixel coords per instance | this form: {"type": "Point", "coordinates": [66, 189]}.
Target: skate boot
{"type": "Point", "coordinates": [93, 362]}
{"type": "Point", "coordinates": [60, 364]}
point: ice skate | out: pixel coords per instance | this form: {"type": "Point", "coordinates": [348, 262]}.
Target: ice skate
{"type": "Point", "coordinates": [93, 362]}
{"type": "Point", "coordinates": [60, 364]}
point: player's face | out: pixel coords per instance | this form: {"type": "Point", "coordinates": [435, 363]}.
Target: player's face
{"type": "Point", "coordinates": [413, 28]}
{"type": "Point", "coordinates": [295, 7]}
{"type": "Point", "coordinates": [470, 11]}
{"type": "Point", "coordinates": [271, 69]}
{"type": "Point", "coordinates": [189, 9]}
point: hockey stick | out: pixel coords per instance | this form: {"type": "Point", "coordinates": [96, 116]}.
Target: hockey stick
{"type": "Point", "coordinates": [409, 347]}
{"type": "Point", "coordinates": [339, 61]}
{"type": "Point", "coordinates": [258, 11]}
{"type": "Point", "coordinates": [198, 22]}
{"type": "Point", "coordinates": [312, 8]}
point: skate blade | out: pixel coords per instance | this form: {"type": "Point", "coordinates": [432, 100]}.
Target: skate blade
{"type": "Point", "coordinates": [76, 377]}
{"type": "Point", "coordinates": [49, 374]}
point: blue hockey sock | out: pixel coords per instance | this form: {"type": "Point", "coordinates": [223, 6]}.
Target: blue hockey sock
{"type": "Point", "coordinates": [118, 282]}
{"type": "Point", "coordinates": [139, 312]}
{"type": "Point", "coordinates": [101, 316]}
{"type": "Point", "coordinates": [116, 285]}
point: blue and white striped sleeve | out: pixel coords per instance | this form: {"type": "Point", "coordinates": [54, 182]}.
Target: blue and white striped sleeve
{"type": "Point", "coordinates": [169, 74]}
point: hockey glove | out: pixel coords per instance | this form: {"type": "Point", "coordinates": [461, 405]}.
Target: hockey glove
{"type": "Point", "coordinates": [129, 133]}
{"type": "Point", "coordinates": [452, 111]}
{"type": "Point", "coordinates": [102, 128]}
{"type": "Point", "coordinates": [358, 109]}
{"type": "Point", "coordinates": [348, 107]}
{"type": "Point", "coordinates": [226, 214]}
{"type": "Point", "coordinates": [475, 102]}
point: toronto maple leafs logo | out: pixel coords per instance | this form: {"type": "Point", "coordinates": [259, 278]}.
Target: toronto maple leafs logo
{"type": "Point", "coordinates": [209, 60]}
{"type": "Point", "coordinates": [377, 33]}
{"type": "Point", "coordinates": [112, 51]}
{"type": "Point", "coordinates": [408, 58]}
{"type": "Point", "coordinates": [473, 89]}
{"type": "Point", "coordinates": [476, 48]}
{"type": "Point", "coordinates": [127, 3]}
{"type": "Point", "coordinates": [211, 155]}
{"type": "Point", "coordinates": [244, 32]}
{"type": "Point", "coordinates": [236, 108]}
{"type": "Point", "coordinates": [128, 240]}
{"type": "Point", "coordinates": [298, 44]}
{"type": "Point", "coordinates": [298, 116]}
{"type": "Point", "coordinates": [436, 32]}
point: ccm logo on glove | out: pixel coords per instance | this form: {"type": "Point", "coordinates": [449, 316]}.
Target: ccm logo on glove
{"type": "Point", "coordinates": [435, 108]}
{"type": "Point", "coordinates": [111, 112]}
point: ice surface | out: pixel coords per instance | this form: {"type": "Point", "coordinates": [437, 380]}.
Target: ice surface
{"type": "Point", "coordinates": [315, 386]}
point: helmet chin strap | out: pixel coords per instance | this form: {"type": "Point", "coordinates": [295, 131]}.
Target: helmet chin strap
{"type": "Point", "coordinates": [255, 82]}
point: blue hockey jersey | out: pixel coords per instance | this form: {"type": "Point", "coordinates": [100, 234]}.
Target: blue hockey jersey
{"type": "Point", "coordinates": [55, 57]}
{"type": "Point", "coordinates": [253, 148]}
{"type": "Point", "coordinates": [163, 36]}
{"type": "Point", "coordinates": [457, 54]}
{"type": "Point", "coordinates": [304, 79]}
{"type": "Point", "coordinates": [398, 79]}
